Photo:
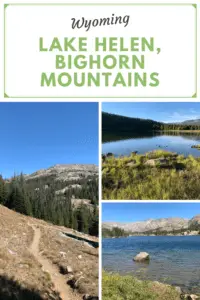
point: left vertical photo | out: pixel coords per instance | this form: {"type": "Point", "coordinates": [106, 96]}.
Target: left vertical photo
{"type": "Point", "coordinates": [49, 200]}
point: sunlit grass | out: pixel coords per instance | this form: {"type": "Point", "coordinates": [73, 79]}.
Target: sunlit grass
{"type": "Point", "coordinates": [170, 176]}
{"type": "Point", "coordinates": [116, 287]}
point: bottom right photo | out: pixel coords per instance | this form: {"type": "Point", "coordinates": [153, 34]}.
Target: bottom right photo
{"type": "Point", "coordinates": [150, 251]}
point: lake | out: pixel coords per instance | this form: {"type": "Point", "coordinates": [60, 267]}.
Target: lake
{"type": "Point", "coordinates": [179, 143]}
{"type": "Point", "coordinates": [173, 259]}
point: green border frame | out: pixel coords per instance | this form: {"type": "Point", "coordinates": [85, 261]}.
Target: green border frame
{"type": "Point", "coordinates": [100, 4]}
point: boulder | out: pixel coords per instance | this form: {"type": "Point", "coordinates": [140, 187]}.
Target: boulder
{"type": "Point", "coordinates": [192, 297]}
{"type": "Point", "coordinates": [64, 269]}
{"type": "Point", "coordinates": [63, 254]}
{"type": "Point", "coordinates": [153, 162]}
{"type": "Point", "coordinates": [178, 289]}
{"type": "Point", "coordinates": [88, 297]}
{"type": "Point", "coordinates": [150, 162]}
{"type": "Point", "coordinates": [131, 163]}
{"type": "Point", "coordinates": [142, 256]}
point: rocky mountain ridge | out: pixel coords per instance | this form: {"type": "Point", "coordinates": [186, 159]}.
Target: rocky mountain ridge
{"type": "Point", "coordinates": [66, 172]}
{"type": "Point", "coordinates": [153, 225]}
{"type": "Point", "coordinates": [191, 122]}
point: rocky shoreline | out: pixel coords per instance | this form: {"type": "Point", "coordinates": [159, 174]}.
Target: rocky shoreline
{"type": "Point", "coordinates": [158, 290]}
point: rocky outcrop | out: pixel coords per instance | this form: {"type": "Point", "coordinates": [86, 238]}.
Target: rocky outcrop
{"type": "Point", "coordinates": [66, 179]}
{"type": "Point", "coordinates": [65, 269]}
{"type": "Point", "coordinates": [194, 223]}
{"type": "Point", "coordinates": [151, 162]}
{"type": "Point", "coordinates": [156, 161]}
{"type": "Point", "coordinates": [76, 203]}
{"type": "Point", "coordinates": [71, 186]}
{"type": "Point", "coordinates": [190, 297]}
{"type": "Point", "coordinates": [131, 163]}
{"type": "Point", "coordinates": [142, 257]}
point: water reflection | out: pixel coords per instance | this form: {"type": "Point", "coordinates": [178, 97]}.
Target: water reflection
{"type": "Point", "coordinates": [124, 144]}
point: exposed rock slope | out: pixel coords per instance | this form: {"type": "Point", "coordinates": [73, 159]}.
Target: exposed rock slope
{"type": "Point", "coordinates": [65, 172]}
{"type": "Point", "coordinates": [165, 224]}
{"type": "Point", "coordinates": [194, 223]}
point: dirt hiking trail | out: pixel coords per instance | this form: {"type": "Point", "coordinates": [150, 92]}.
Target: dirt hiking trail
{"type": "Point", "coordinates": [58, 279]}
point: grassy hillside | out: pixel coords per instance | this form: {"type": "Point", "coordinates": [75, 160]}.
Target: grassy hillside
{"type": "Point", "coordinates": [32, 251]}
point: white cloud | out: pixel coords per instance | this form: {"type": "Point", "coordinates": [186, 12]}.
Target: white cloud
{"type": "Point", "coordinates": [176, 116]}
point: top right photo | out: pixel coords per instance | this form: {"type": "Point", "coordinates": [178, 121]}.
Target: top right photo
{"type": "Point", "coordinates": [150, 151]}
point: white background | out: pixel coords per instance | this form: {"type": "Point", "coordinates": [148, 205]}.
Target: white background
{"type": "Point", "coordinates": [91, 99]}
{"type": "Point", "coordinates": [173, 28]}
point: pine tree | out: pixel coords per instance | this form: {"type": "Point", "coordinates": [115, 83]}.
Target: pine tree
{"type": "Point", "coordinates": [94, 224]}
{"type": "Point", "coordinates": [74, 220]}
{"type": "Point", "coordinates": [39, 199]}
{"type": "Point", "coordinates": [2, 191]}
{"type": "Point", "coordinates": [16, 200]}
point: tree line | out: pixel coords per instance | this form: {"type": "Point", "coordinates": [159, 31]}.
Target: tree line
{"type": "Point", "coordinates": [179, 127]}
{"type": "Point", "coordinates": [115, 123]}
{"type": "Point", "coordinates": [119, 232]}
{"type": "Point", "coordinates": [39, 200]}
{"type": "Point", "coordinates": [114, 232]}
{"type": "Point", "coordinates": [120, 125]}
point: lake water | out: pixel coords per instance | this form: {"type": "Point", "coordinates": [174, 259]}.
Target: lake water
{"type": "Point", "coordinates": [180, 144]}
{"type": "Point", "coordinates": [173, 259]}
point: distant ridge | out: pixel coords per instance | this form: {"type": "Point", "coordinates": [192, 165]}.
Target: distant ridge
{"type": "Point", "coordinates": [162, 224]}
{"type": "Point", "coordinates": [191, 122]}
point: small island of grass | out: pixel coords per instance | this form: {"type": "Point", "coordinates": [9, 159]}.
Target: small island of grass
{"type": "Point", "coordinates": [196, 147]}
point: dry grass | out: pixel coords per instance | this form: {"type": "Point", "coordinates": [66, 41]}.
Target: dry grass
{"type": "Point", "coordinates": [17, 263]}
{"type": "Point", "coordinates": [82, 258]}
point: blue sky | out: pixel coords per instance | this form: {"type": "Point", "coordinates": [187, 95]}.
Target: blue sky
{"type": "Point", "coordinates": [131, 212]}
{"type": "Point", "coordinates": [39, 135]}
{"type": "Point", "coordinates": [158, 111]}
